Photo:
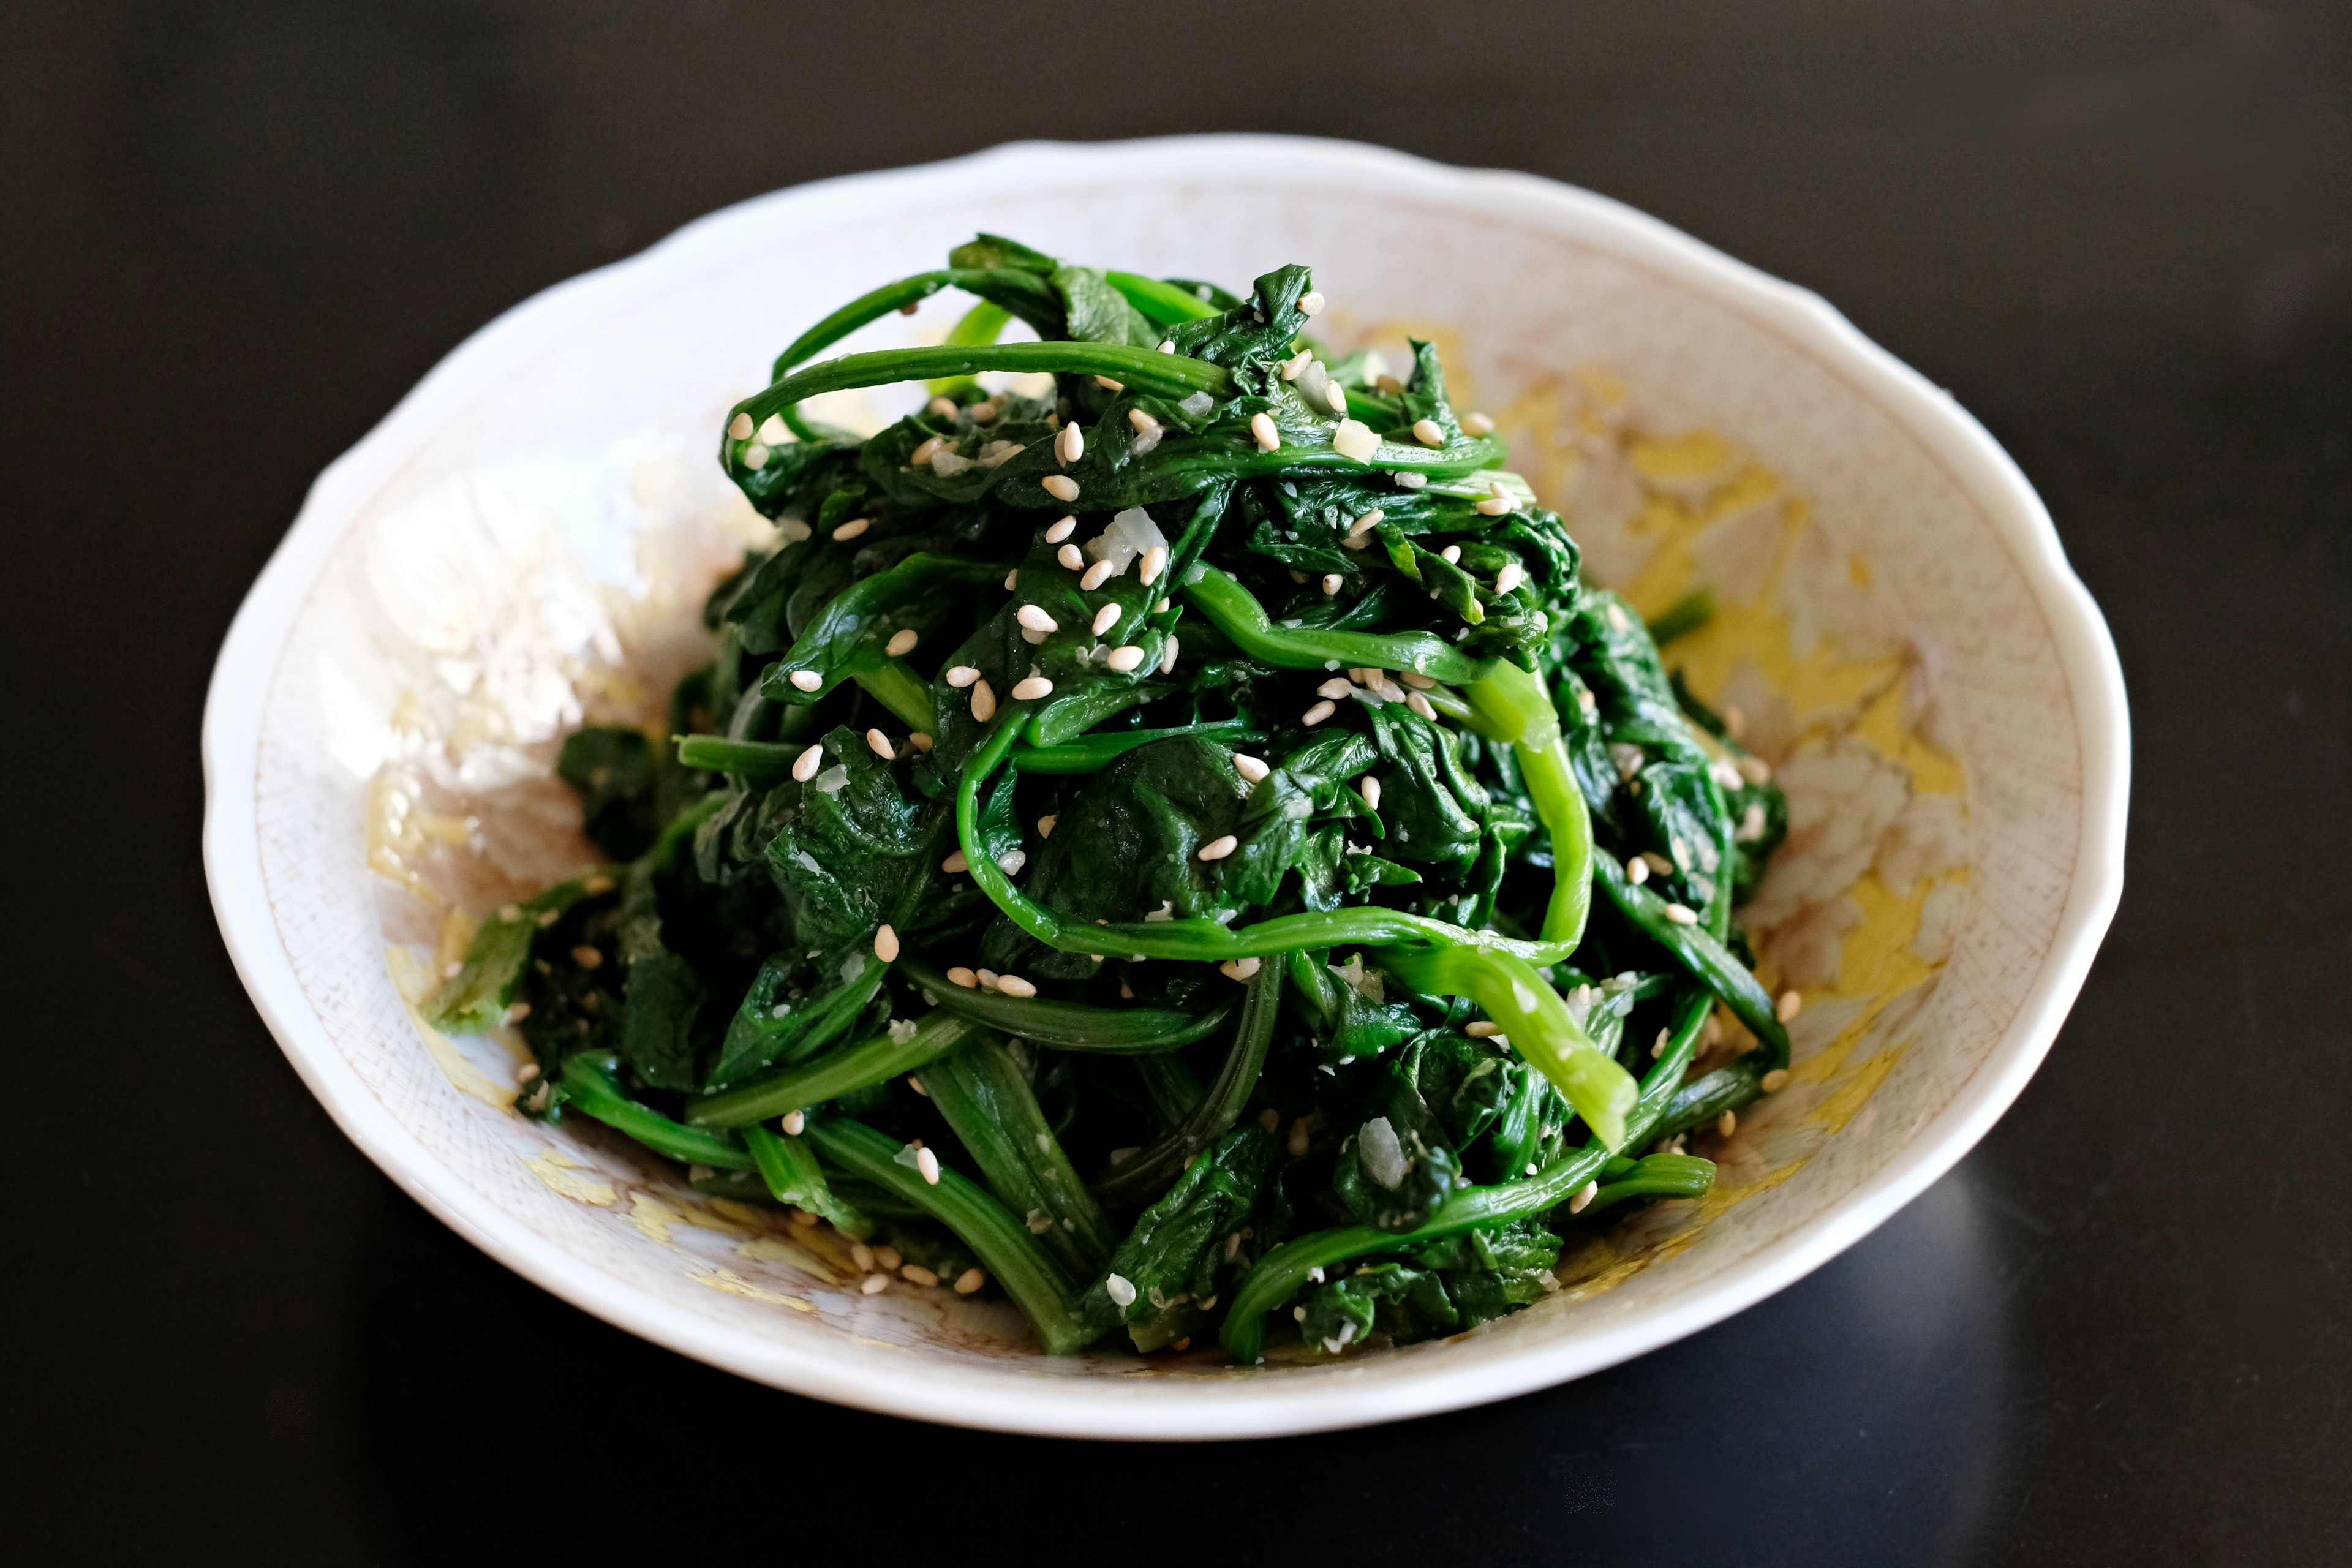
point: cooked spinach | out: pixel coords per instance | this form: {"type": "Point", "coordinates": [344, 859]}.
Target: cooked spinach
{"type": "Point", "coordinates": [1136, 845]}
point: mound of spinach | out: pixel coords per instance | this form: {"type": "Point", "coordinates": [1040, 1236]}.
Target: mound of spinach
{"type": "Point", "coordinates": [1247, 959]}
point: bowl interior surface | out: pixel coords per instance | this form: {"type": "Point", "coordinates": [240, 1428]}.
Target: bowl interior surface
{"type": "Point", "coordinates": [528, 536]}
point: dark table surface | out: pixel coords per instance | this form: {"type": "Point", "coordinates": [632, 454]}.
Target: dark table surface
{"type": "Point", "coordinates": [232, 234]}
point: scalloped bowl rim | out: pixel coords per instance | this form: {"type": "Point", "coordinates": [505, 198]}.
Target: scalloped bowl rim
{"type": "Point", "coordinates": [1162, 1409]}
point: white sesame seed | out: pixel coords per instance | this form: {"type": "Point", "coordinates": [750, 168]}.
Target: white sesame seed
{"type": "Point", "coordinates": [1105, 618]}
{"type": "Point", "coordinates": [1429, 432]}
{"type": "Point", "coordinates": [1070, 445]}
{"type": "Point", "coordinates": [970, 1280]}
{"type": "Point", "coordinates": [987, 978]}
{"type": "Point", "coordinates": [1094, 575]}
{"type": "Point", "coordinates": [925, 452]}
{"type": "Point", "coordinates": [1249, 767]}
{"type": "Point", "coordinates": [1336, 395]}
{"type": "Point", "coordinates": [1497, 501]}
{"type": "Point", "coordinates": [1262, 429]}
{"type": "Point", "coordinates": [885, 943]}
{"type": "Point", "coordinates": [875, 1284]}
{"type": "Point", "coordinates": [928, 1165]}
{"type": "Point", "coordinates": [1061, 530]}
{"type": "Point", "coordinates": [1217, 849]}
{"type": "Point", "coordinates": [1118, 1289]}
{"type": "Point", "coordinates": [1583, 1198]}
{"type": "Point", "coordinates": [1417, 681]}
{"type": "Point", "coordinates": [1332, 583]}
{"type": "Point", "coordinates": [1682, 914]}
{"type": "Point", "coordinates": [1168, 658]}
{"type": "Point", "coordinates": [879, 744]}
{"type": "Point", "coordinates": [1528, 1172]}
{"type": "Point", "coordinates": [1369, 788]}
{"type": "Point", "coordinates": [1659, 865]}
{"type": "Point", "coordinates": [853, 528]}
{"type": "Point", "coordinates": [740, 427]}
{"type": "Point", "coordinates": [915, 1273]}
{"type": "Point", "coordinates": [961, 676]}
{"type": "Point", "coordinates": [1108, 384]}
{"type": "Point", "coordinates": [985, 411]}
{"type": "Point", "coordinates": [1144, 423]}
{"type": "Point", "coordinates": [1300, 1136]}
{"type": "Point", "coordinates": [1451, 554]}
{"type": "Point", "coordinates": [1317, 714]}
{"type": "Point", "coordinates": [1335, 688]}
{"type": "Point", "coordinates": [1776, 1081]}
{"type": "Point", "coordinates": [984, 701]}
{"type": "Point", "coordinates": [807, 680]}
{"type": "Point", "coordinates": [1755, 769]}
{"type": "Point", "coordinates": [1161, 608]}
{"type": "Point", "coordinates": [1614, 614]}
{"type": "Point", "coordinates": [902, 641]}
{"type": "Point", "coordinates": [1420, 705]}
{"type": "Point", "coordinates": [1125, 659]}
{"type": "Point", "coordinates": [805, 765]}
{"type": "Point", "coordinates": [1366, 523]}
{"type": "Point", "coordinates": [1045, 826]}
{"type": "Point", "coordinates": [1168, 345]}
{"type": "Point", "coordinates": [588, 957]}
{"type": "Point", "coordinates": [1482, 1029]}
{"type": "Point", "coordinates": [1061, 486]}
{"type": "Point", "coordinates": [1241, 968]}
{"type": "Point", "coordinates": [1787, 1007]}
{"type": "Point", "coordinates": [794, 1123]}
{"type": "Point", "coordinates": [1509, 577]}
{"type": "Point", "coordinates": [920, 738]}
{"type": "Point", "coordinates": [1658, 1045]}
{"type": "Point", "coordinates": [1637, 871]}
{"type": "Point", "coordinates": [1410, 481]}
{"type": "Point", "coordinates": [1032, 689]}
{"type": "Point", "coordinates": [1727, 1123]}
{"type": "Point", "coordinates": [1035, 619]}
{"type": "Point", "coordinates": [960, 976]}
{"type": "Point", "coordinates": [1311, 302]}
{"type": "Point", "coordinates": [1477, 425]}
{"type": "Point", "coordinates": [1155, 561]}
{"type": "Point", "coordinates": [1013, 986]}
{"type": "Point", "coordinates": [1012, 579]}
{"type": "Point", "coordinates": [1070, 559]}
{"type": "Point", "coordinates": [940, 408]}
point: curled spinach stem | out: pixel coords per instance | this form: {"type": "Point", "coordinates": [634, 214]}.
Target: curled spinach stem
{"type": "Point", "coordinates": [1070, 1026]}
{"type": "Point", "coordinates": [1025, 1271]}
{"type": "Point", "coordinates": [789, 1169]}
{"type": "Point", "coordinates": [591, 1085]}
{"type": "Point", "coordinates": [834, 1074]}
{"type": "Point", "coordinates": [1152, 1170]}
{"type": "Point", "coordinates": [986, 1098]}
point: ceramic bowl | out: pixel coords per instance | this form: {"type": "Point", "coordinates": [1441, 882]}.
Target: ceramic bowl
{"type": "Point", "coordinates": [526, 539]}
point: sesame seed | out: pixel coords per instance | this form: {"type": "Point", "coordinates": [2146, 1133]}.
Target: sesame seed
{"type": "Point", "coordinates": [984, 701]}
{"type": "Point", "coordinates": [1682, 914]}
{"type": "Point", "coordinates": [1317, 714]}
{"type": "Point", "coordinates": [1168, 658]}
{"type": "Point", "coordinates": [915, 1273]}
{"type": "Point", "coordinates": [740, 427]}
{"type": "Point", "coordinates": [1032, 689]}
{"type": "Point", "coordinates": [1013, 986]}
{"type": "Point", "coordinates": [925, 452]}
{"type": "Point", "coordinates": [1268, 1119]}
{"type": "Point", "coordinates": [1061, 486]}
{"type": "Point", "coordinates": [1530, 1170]}
{"type": "Point", "coordinates": [1755, 769]}
{"type": "Point", "coordinates": [1144, 423]}
{"type": "Point", "coordinates": [1734, 721]}
{"type": "Point", "coordinates": [1045, 826]}
{"type": "Point", "coordinates": [1249, 767]}
{"type": "Point", "coordinates": [1776, 1081]}
{"type": "Point", "coordinates": [1615, 614]}
{"type": "Point", "coordinates": [970, 1280]}
{"type": "Point", "coordinates": [1262, 429]}
{"type": "Point", "coordinates": [1498, 500]}
{"type": "Point", "coordinates": [985, 411]}
{"type": "Point", "coordinates": [941, 407]}
{"type": "Point", "coordinates": [1124, 658]}
{"type": "Point", "coordinates": [1336, 395]}
{"type": "Point", "coordinates": [1658, 864]}
{"type": "Point", "coordinates": [1477, 425]}
{"type": "Point", "coordinates": [888, 1256]}
{"type": "Point", "coordinates": [1311, 302]}
{"type": "Point", "coordinates": [1070, 559]}
{"type": "Point", "coordinates": [1161, 608]}
{"type": "Point", "coordinates": [1787, 1006]}
{"type": "Point", "coordinates": [853, 528]}
{"type": "Point", "coordinates": [1637, 871]}
{"type": "Point", "coordinates": [1011, 579]}
{"type": "Point", "coordinates": [1509, 577]}
{"type": "Point", "coordinates": [1105, 618]}
{"type": "Point", "coordinates": [1108, 384]}
{"type": "Point", "coordinates": [958, 976]}
{"type": "Point", "coordinates": [1299, 1138]}
{"type": "Point", "coordinates": [1332, 583]}
{"type": "Point", "coordinates": [795, 1121]}
{"type": "Point", "coordinates": [885, 943]}
{"type": "Point", "coordinates": [1420, 705]}
{"type": "Point", "coordinates": [1429, 432]}
{"type": "Point", "coordinates": [902, 641]}
{"type": "Point", "coordinates": [1117, 1286]}
{"type": "Point", "coordinates": [1096, 575]}
{"type": "Point", "coordinates": [1335, 688]}
{"type": "Point", "coordinates": [1367, 522]}
{"type": "Point", "coordinates": [596, 886]}
{"type": "Point", "coordinates": [862, 1256]}
{"type": "Point", "coordinates": [1417, 681]}
{"type": "Point", "coordinates": [920, 739]}
{"type": "Point", "coordinates": [1168, 345]}
{"type": "Point", "coordinates": [1583, 1198]}
{"type": "Point", "coordinates": [1217, 849]}
{"type": "Point", "coordinates": [961, 676]}
{"type": "Point", "coordinates": [1035, 619]}
{"type": "Point", "coordinates": [1070, 445]}
{"type": "Point", "coordinates": [928, 1165]}
{"type": "Point", "coordinates": [806, 679]}
{"type": "Point", "coordinates": [588, 957]}
{"type": "Point", "coordinates": [1061, 530]}
{"type": "Point", "coordinates": [1155, 561]}
{"type": "Point", "coordinates": [1241, 968]}
{"type": "Point", "coordinates": [1482, 1029]}
{"type": "Point", "coordinates": [875, 1284]}
{"type": "Point", "coordinates": [1451, 554]}
{"type": "Point", "coordinates": [517, 1011]}
{"type": "Point", "coordinates": [1658, 1045]}
{"type": "Point", "coordinates": [987, 978]}
{"type": "Point", "coordinates": [805, 765]}
{"type": "Point", "coordinates": [879, 744]}
{"type": "Point", "coordinates": [1727, 1123]}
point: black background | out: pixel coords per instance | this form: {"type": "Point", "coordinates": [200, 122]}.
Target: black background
{"type": "Point", "coordinates": [231, 234]}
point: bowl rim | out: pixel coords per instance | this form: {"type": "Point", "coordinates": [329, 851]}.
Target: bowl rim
{"type": "Point", "coordinates": [1007, 1399]}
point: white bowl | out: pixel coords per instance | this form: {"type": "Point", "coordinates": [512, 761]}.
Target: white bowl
{"type": "Point", "coordinates": [530, 529]}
